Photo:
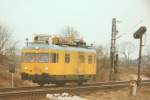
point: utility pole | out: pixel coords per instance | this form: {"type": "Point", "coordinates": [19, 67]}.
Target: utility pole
{"type": "Point", "coordinates": [113, 50]}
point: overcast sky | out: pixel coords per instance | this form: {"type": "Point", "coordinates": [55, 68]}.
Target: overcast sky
{"type": "Point", "coordinates": [92, 18]}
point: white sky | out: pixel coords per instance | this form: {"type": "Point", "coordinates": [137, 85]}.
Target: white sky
{"type": "Point", "coordinates": [92, 18]}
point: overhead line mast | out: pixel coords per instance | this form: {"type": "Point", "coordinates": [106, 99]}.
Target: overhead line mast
{"type": "Point", "coordinates": [113, 54]}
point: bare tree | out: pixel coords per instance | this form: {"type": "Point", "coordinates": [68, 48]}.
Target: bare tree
{"type": "Point", "coordinates": [102, 63]}
{"type": "Point", "coordinates": [147, 62]}
{"type": "Point", "coordinates": [101, 52]}
{"type": "Point", "coordinates": [4, 39]}
{"type": "Point", "coordinates": [126, 48]}
{"type": "Point", "coordinates": [7, 45]}
{"type": "Point", "coordinates": [70, 32]}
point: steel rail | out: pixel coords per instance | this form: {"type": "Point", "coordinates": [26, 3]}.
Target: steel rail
{"type": "Point", "coordinates": [53, 89]}
{"type": "Point", "coordinates": [53, 86]}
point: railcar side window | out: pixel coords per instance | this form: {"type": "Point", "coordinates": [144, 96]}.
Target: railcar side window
{"type": "Point", "coordinates": [67, 58]}
{"type": "Point", "coordinates": [43, 57]}
{"type": "Point", "coordinates": [53, 58]}
{"type": "Point", "coordinates": [29, 57]}
{"type": "Point", "coordinates": [81, 58]}
{"type": "Point", "coordinates": [90, 60]}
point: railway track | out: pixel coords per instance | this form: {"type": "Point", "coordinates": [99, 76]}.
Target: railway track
{"type": "Point", "coordinates": [69, 88]}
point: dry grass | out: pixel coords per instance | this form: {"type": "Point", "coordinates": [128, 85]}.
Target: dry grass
{"type": "Point", "coordinates": [115, 94]}
{"type": "Point", "coordinates": [142, 94]}
{"type": "Point", "coordinates": [146, 71]}
{"type": "Point", "coordinates": [102, 75]}
{"type": "Point", "coordinates": [5, 78]}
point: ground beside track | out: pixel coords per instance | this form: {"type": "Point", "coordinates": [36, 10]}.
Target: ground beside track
{"type": "Point", "coordinates": [142, 94]}
{"type": "Point", "coordinates": [114, 94]}
{"type": "Point", "coordinates": [124, 74]}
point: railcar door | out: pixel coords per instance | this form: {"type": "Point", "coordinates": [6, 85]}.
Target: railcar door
{"type": "Point", "coordinates": [81, 63]}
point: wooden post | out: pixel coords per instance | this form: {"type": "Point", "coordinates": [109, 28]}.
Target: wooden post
{"type": "Point", "coordinates": [132, 88]}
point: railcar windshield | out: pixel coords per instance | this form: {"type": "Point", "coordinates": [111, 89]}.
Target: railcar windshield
{"type": "Point", "coordinates": [29, 57]}
{"type": "Point", "coordinates": [35, 57]}
{"type": "Point", "coordinates": [43, 57]}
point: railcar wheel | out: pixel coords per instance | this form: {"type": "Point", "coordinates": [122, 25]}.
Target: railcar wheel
{"type": "Point", "coordinates": [60, 83]}
{"type": "Point", "coordinates": [41, 84]}
{"type": "Point", "coordinates": [80, 83]}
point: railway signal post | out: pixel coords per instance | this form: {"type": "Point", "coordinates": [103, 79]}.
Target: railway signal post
{"type": "Point", "coordinates": [12, 71]}
{"type": "Point", "coordinates": [139, 35]}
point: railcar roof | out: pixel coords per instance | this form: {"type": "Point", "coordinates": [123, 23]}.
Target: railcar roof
{"type": "Point", "coordinates": [34, 46]}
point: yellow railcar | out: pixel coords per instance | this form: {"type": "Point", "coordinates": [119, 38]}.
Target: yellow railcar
{"type": "Point", "coordinates": [49, 63]}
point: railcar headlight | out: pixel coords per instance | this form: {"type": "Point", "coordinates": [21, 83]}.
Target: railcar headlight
{"type": "Point", "coordinates": [37, 48]}
{"type": "Point", "coordinates": [46, 68]}
{"type": "Point", "coordinates": [25, 68]}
